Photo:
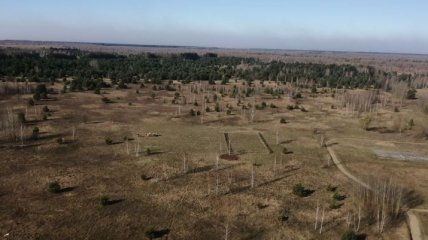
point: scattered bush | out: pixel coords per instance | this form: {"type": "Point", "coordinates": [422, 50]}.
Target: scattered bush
{"type": "Point", "coordinates": [300, 191]}
{"type": "Point", "coordinates": [35, 134]}
{"type": "Point", "coordinates": [262, 205]}
{"type": "Point", "coordinates": [411, 94]}
{"type": "Point", "coordinates": [396, 109]}
{"type": "Point", "coordinates": [334, 204]}
{"type": "Point", "coordinates": [54, 187]}
{"type": "Point", "coordinates": [298, 95]}
{"type": "Point", "coordinates": [45, 109]}
{"type": "Point", "coordinates": [331, 188]}
{"type": "Point", "coordinates": [283, 121]}
{"type": "Point", "coordinates": [285, 151]}
{"type": "Point", "coordinates": [410, 124]}
{"type": "Point", "coordinates": [290, 107]}
{"type": "Point", "coordinates": [338, 197]}
{"type": "Point", "coordinates": [148, 151]}
{"type": "Point", "coordinates": [314, 89]}
{"type": "Point", "coordinates": [105, 200]}
{"type": "Point", "coordinates": [150, 233]}
{"type": "Point", "coordinates": [366, 121]}
{"type": "Point", "coordinates": [30, 102]}
{"type": "Point", "coordinates": [41, 92]}
{"type": "Point", "coordinates": [349, 235]}
{"type": "Point", "coordinates": [21, 117]}
{"type": "Point", "coordinates": [108, 141]}
{"type": "Point", "coordinates": [144, 177]}
{"type": "Point", "coordinates": [60, 140]}
{"type": "Point", "coordinates": [106, 100]}
{"type": "Point", "coordinates": [207, 109]}
{"type": "Point", "coordinates": [217, 107]}
{"type": "Point", "coordinates": [284, 216]}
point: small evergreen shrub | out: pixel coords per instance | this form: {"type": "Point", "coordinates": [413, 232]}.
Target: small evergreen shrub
{"type": "Point", "coordinates": [331, 188]}
{"type": "Point", "coordinates": [54, 187]}
{"type": "Point", "coordinates": [300, 191]}
{"type": "Point", "coordinates": [21, 117]}
{"type": "Point", "coordinates": [105, 200]}
{"type": "Point", "coordinates": [108, 141]}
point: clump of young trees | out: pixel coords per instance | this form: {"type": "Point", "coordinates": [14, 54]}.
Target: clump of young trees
{"type": "Point", "coordinates": [382, 204]}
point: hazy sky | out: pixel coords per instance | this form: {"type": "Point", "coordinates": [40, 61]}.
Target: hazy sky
{"type": "Point", "coordinates": [350, 25]}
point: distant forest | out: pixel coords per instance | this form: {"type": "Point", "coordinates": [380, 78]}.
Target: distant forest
{"type": "Point", "coordinates": [88, 68]}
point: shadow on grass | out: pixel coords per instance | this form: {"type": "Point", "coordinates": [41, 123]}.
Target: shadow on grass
{"type": "Point", "coordinates": [152, 153]}
{"type": "Point", "coordinates": [44, 136]}
{"type": "Point", "coordinates": [273, 180]}
{"type": "Point", "coordinates": [286, 141]}
{"type": "Point", "coordinates": [308, 192]}
{"type": "Point", "coordinates": [115, 201]}
{"type": "Point", "coordinates": [67, 189]}
{"type": "Point", "coordinates": [154, 234]}
{"type": "Point", "coordinates": [238, 190]}
{"type": "Point", "coordinates": [331, 144]}
{"type": "Point", "coordinates": [201, 169]}
{"type": "Point", "coordinates": [413, 199]}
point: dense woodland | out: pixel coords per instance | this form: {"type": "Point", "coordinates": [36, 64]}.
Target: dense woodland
{"type": "Point", "coordinates": [88, 68]}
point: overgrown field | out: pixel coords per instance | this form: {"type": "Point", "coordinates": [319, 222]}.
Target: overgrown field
{"type": "Point", "coordinates": [142, 162]}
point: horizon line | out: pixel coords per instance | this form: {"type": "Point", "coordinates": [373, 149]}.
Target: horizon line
{"type": "Point", "coordinates": [141, 45]}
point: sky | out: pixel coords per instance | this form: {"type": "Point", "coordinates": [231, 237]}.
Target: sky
{"type": "Point", "coordinates": [399, 26]}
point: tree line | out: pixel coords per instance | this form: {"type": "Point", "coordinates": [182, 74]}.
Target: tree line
{"type": "Point", "coordinates": [88, 68]}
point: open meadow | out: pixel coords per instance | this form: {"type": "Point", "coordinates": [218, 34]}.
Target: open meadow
{"type": "Point", "coordinates": [194, 164]}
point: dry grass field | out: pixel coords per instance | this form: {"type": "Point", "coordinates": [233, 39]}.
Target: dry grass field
{"type": "Point", "coordinates": [173, 183]}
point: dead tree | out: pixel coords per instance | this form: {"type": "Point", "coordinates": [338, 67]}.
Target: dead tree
{"type": "Point", "coordinates": [137, 149]}
{"type": "Point", "coordinates": [127, 146]}
{"type": "Point", "coordinates": [22, 135]}
{"type": "Point", "coordinates": [252, 114]}
{"type": "Point", "coordinates": [217, 183]}
{"type": "Point", "coordinates": [184, 163]}
{"type": "Point", "coordinates": [316, 215]}
{"type": "Point", "coordinates": [322, 219]}
{"type": "Point", "coordinates": [277, 137]}
{"type": "Point", "coordinates": [274, 166]}
{"type": "Point", "coordinates": [359, 219]}
{"type": "Point", "coordinates": [323, 141]}
{"type": "Point", "coordinates": [252, 176]}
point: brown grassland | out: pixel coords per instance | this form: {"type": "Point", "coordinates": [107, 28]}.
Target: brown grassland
{"type": "Point", "coordinates": [176, 187]}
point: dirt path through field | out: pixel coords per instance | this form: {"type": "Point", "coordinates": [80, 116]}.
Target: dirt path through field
{"type": "Point", "coordinates": [413, 219]}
